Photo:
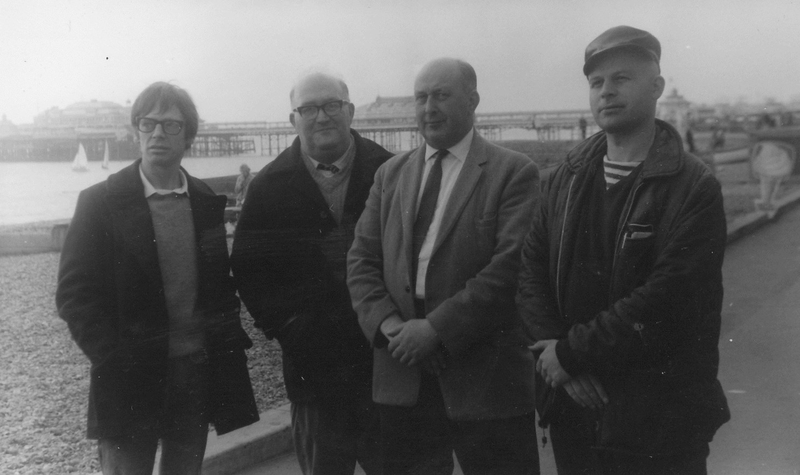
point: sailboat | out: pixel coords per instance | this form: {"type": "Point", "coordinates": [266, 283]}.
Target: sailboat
{"type": "Point", "coordinates": [80, 163]}
{"type": "Point", "coordinates": [105, 158]}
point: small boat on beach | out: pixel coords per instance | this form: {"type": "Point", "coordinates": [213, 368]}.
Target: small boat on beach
{"type": "Point", "coordinates": [80, 163]}
{"type": "Point", "coordinates": [105, 158]}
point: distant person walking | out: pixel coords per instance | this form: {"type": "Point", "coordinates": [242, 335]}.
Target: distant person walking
{"type": "Point", "coordinates": [717, 138]}
{"type": "Point", "coordinates": [242, 183]}
{"type": "Point", "coordinates": [144, 286]}
{"type": "Point", "coordinates": [582, 124]}
{"type": "Point", "coordinates": [690, 140]}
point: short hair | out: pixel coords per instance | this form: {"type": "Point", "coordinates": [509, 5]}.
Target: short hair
{"type": "Point", "coordinates": [321, 74]}
{"type": "Point", "coordinates": [164, 95]}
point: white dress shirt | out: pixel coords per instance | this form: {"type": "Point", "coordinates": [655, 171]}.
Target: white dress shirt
{"type": "Point", "coordinates": [149, 189]}
{"type": "Point", "coordinates": [451, 168]}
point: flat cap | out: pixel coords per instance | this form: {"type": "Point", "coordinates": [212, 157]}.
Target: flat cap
{"type": "Point", "coordinates": [621, 37]}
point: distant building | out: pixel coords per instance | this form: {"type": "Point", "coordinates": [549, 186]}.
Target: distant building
{"type": "Point", "coordinates": [387, 110]}
{"type": "Point", "coordinates": [675, 110]}
{"type": "Point", "coordinates": [93, 114]}
{"type": "Point", "coordinates": [56, 133]}
{"type": "Point", "coordinates": [7, 127]}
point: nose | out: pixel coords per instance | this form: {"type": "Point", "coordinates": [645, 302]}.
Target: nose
{"type": "Point", "coordinates": [608, 89]}
{"type": "Point", "coordinates": [430, 105]}
{"type": "Point", "coordinates": [322, 116]}
{"type": "Point", "coordinates": [159, 130]}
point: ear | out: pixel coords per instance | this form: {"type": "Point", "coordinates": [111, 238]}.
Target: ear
{"type": "Point", "coordinates": [474, 99]}
{"type": "Point", "coordinates": [351, 110]}
{"type": "Point", "coordinates": [291, 119]}
{"type": "Point", "coordinates": [658, 87]}
{"type": "Point", "coordinates": [189, 144]}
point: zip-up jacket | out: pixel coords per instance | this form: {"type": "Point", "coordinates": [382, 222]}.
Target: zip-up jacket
{"type": "Point", "coordinates": [655, 346]}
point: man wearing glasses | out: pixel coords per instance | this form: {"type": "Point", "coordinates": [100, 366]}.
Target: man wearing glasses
{"type": "Point", "coordinates": [289, 262]}
{"type": "Point", "coordinates": [145, 287]}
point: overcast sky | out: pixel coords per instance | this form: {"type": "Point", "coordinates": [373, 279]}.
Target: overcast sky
{"type": "Point", "coordinates": [239, 59]}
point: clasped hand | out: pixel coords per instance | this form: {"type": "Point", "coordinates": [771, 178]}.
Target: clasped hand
{"type": "Point", "coordinates": [585, 389]}
{"type": "Point", "coordinates": [414, 342]}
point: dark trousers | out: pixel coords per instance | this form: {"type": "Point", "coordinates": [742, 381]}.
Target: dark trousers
{"type": "Point", "coordinates": [421, 440]}
{"type": "Point", "coordinates": [573, 438]}
{"type": "Point", "coordinates": [330, 437]}
{"type": "Point", "coordinates": [183, 433]}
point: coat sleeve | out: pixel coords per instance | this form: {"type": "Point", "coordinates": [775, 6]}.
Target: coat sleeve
{"type": "Point", "coordinates": [536, 295]}
{"type": "Point", "coordinates": [673, 304]}
{"type": "Point", "coordinates": [85, 293]}
{"type": "Point", "coordinates": [371, 299]}
{"type": "Point", "coordinates": [486, 303]}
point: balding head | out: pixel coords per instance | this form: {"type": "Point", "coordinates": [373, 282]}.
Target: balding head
{"type": "Point", "coordinates": [317, 80]}
{"type": "Point", "coordinates": [446, 97]}
{"type": "Point", "coordinates": [324, 126]}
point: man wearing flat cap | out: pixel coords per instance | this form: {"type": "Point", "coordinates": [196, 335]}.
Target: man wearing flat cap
{"type": "Point", "coordinates": [621, 282]}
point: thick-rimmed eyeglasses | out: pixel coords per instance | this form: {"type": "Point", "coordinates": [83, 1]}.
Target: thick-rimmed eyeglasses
{"type": "Point", "coordinates": [171, 127]}
{"type": "Point", "coordinates": [331, 108]}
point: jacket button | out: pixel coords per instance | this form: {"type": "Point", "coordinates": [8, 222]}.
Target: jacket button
{"type": "Point", "coordinates": [408, 289]}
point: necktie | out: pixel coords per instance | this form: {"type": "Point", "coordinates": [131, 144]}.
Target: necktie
{"type": "Point", "coordinates": [328, 168]}
{"type": "Point", "coordinates": [427, 207]}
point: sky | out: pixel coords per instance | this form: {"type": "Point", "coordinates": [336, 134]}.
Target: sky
{"type": "Point", "coordinates": [239, 58]}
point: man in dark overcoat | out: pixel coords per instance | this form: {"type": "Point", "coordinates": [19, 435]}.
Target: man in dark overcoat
{"type": "Point", "coordinates": [144, 285]}
{"type": "Point", "coordinates": [289, 257]}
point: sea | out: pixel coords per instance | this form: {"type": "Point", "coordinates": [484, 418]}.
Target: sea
{"type": "Point", "coordinates": [45, 191]}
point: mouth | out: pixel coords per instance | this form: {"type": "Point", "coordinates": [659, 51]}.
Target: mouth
{"type": "Point", "coordinates": [612, 108]}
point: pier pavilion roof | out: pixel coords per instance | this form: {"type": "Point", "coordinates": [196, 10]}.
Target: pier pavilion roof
{"type": "Point", "coordinates": [386, 108]}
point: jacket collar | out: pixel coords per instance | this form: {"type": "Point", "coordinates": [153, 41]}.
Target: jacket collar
{"type": "Point", "coordinates": [130, 213]}
{"type": "Point", "coordinates": [290, 163]}
{"type": "Point", "coordinates": [666, 156]}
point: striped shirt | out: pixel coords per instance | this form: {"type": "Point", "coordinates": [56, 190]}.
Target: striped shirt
{"type": "Point", "coordinates": [616, 171]}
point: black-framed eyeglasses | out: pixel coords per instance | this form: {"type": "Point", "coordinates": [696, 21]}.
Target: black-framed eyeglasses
{"type": "Point", "coordinates": [332, 108]}
{"type": "Point", "coordinates": [171, 127]}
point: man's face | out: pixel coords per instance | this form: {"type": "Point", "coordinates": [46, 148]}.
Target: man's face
{"type": "Point", "coordinates": [323, 138]}
{"type": "Point", "coordinates": [158, 148]}
{"type": "Point", "coordinates": [444, 108]}
{"type": "Point", "coordinates": [623, 90]}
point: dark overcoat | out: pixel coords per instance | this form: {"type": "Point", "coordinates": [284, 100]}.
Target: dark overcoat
{"type": "Point", "coordinates": [289, 262]}
{"type": "Point", "coordinates": [110, 293]}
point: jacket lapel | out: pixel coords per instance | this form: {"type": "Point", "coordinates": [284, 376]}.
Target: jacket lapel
{"type": "Point", "coordinates": [301, 181]}
{"type": "Point", "coordinates": [462, 190]}
{"type": "Point", "coordinates": [408, 186]}
{"type": "Point", "coordinates": [131, 217]}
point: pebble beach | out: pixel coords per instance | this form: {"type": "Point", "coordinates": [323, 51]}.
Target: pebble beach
{"type": "Point", "coordinates": [44, 377]}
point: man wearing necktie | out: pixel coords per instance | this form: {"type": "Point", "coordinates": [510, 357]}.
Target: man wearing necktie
{"type": "Point", "coordinates": [145, 287]}
{"type": "Point", "coordinates": [432, 274]}
{"type": "Point", "coordinates": [289, 261]}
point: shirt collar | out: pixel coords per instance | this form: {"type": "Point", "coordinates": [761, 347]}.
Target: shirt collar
{"type": "Point", "coordinates": [459, 150]}
{"type": "Point", "coordinates": [150, 190]}
{"type": "Point", "coordinates": [343, 161]}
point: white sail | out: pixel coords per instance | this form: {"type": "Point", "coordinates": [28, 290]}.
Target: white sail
{"type": "Point", "coordinates": [105, 157]}
{"type": "Point", "coordinates": [81, 163]}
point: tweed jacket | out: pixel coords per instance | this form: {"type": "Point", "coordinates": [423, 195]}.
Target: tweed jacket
{"type": "Point", "coordinates": [470, 282]}
{"type": "Point", "coordinates": [111, 295]}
